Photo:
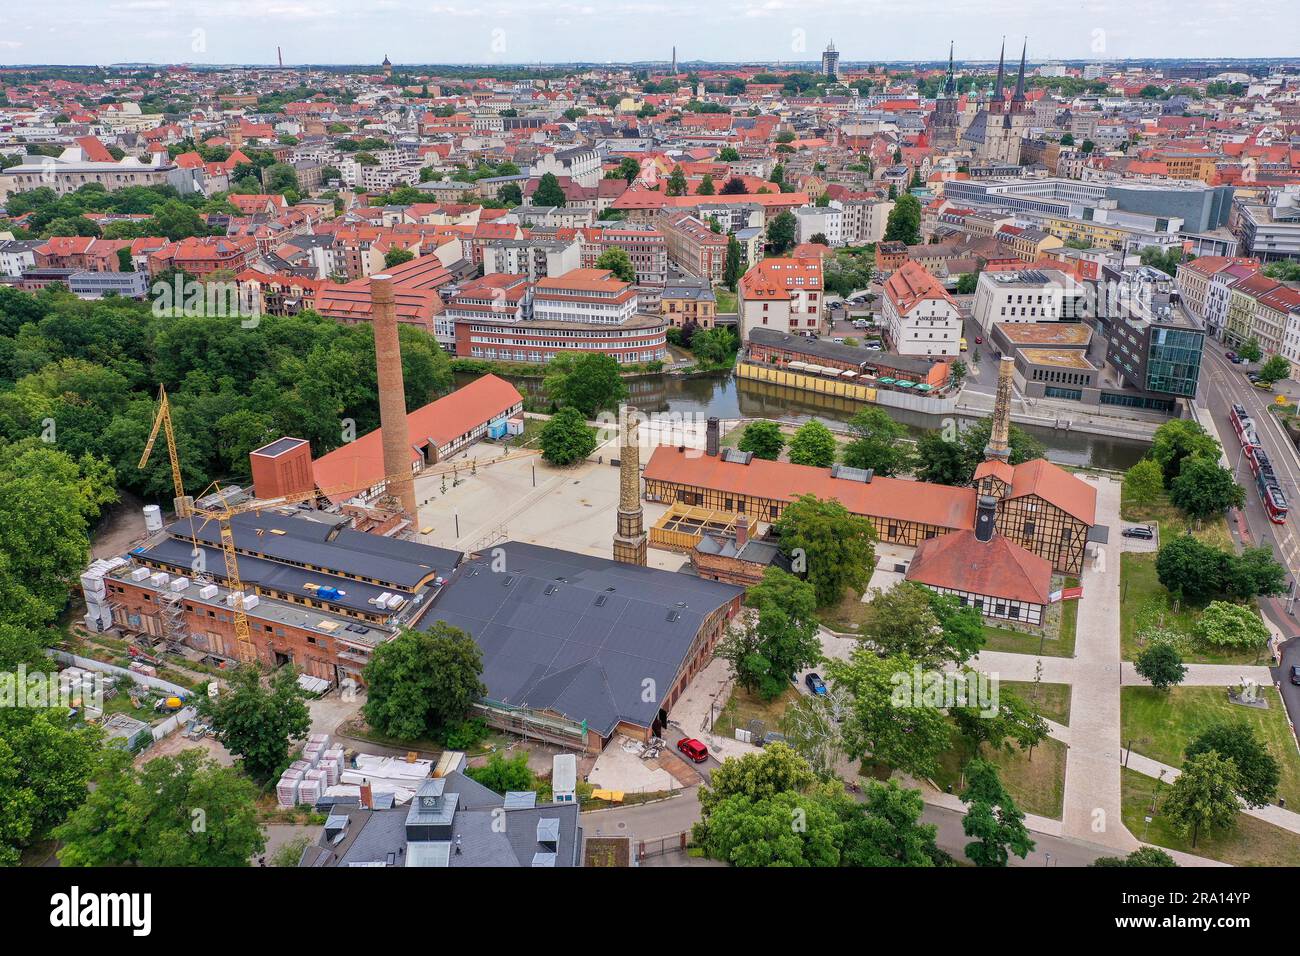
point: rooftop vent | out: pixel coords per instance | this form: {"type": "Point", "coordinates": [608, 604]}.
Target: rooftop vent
{"type": "Point", "coordinates": [509, 580]}
{"type": "Point", "coordinates": [673, 616]}
{"type": "Point", "coordinates": [551, 589]}
{"type": "Point", "coordinates": [863, 475]}
{"type": "Point", "coordinates": [601, 599]}
{"type": "Point", "coordinates": [737, 456]}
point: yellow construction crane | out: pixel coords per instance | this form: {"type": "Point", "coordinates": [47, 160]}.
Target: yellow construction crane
{"type": "Point", "coordinates": [163, 420]}
{"type": "Point", "coordinates": [223, 515]}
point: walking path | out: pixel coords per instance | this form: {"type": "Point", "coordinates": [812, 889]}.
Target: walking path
{"type": "Point", "coordinates": [1092, 778]}
{"type": "Point", "coordinates": [1278, 816]}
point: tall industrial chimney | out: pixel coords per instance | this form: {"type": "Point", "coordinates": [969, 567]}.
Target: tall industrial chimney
{"type": "Point", "coordinates": [630, 538]}
{"type": "Point", "coordinates": [392, 394]}
{"type": "Point", "coordinates": [998, 446]}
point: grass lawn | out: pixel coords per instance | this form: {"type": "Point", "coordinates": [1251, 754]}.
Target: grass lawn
{"type": "Point", "coordinates": [1213, 531]}
{"type": "Point", "coordinates": [1250, 842]}
{"type": "Point", "coordinates": [846, 617]}
{"type": "Point", "coordinates": [1037, 785]}
{"type": "Point", "coordinates": [1019, 642]}
{"type": "Point", "coordinates": [1161, 724]}
{"type": "Point", "coordinates": [1053, 700]}
{"type": "Point", "coordinates": [1141, 593]}
{"type": "Point", "coordinates": [742, 707]}
{"type": "Point", "coordinates": [726, 299]}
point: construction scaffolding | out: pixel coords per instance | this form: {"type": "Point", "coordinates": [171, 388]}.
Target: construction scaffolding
{"type": "Point", "coordinates": [682, 526]}
{"type": "Point", "coordinates": [171, 618]}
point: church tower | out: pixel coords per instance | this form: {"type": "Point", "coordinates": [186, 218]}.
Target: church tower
{"type": "Point", "coordinates": [630, 537]}
{"type": "Point", "coordinates": [945, 121]}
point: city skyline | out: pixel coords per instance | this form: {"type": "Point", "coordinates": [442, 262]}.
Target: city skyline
{"type": "Point", "coordinates": [341, 32]}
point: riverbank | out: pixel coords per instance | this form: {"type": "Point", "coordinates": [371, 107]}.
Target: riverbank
{"type": "Point", "coordinates": [1061, 417]}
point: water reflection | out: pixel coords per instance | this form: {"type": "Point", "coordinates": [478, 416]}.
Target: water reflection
{"type": "Point", "coordinates": [725, 396]}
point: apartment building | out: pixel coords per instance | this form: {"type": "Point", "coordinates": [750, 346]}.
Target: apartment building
{"type": "Point", "coordinates": [1193, 279]}
{"type": "Point", "coordinates": [693, 247]}
{"type": "Point", "coordinates": [1026, 295]}
{"type": "Point", "coordinates": [781, 295]}
{"type": "Point", "coordinates": [920, 317]}
{"type": "Point", "coordinates": [687, 301]}
{"type": "Point", "coordinates": [536, 258]}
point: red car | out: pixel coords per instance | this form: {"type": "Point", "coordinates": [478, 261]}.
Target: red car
{"type": "Point", "coordinates": [979, 340]}
{"type": "Point", "coordinates": [692, 749]}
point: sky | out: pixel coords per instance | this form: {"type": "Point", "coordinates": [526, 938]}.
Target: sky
{"type": "Point", "coordinates": [530, 31]}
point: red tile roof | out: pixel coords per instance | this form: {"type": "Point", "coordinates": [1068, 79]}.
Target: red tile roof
{"type": "Point", "coordinates": [939, 505]}
{"type": "Point", "coordinates": [997, 568]}
{"type": "Point", "coordinates": [360, 464]}
{"type": "Point", "coordinates": [1053, 484]}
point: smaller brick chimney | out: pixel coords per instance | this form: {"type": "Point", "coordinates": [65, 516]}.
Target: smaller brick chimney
{"type": "Point", "coordinates": [367, 799]}
{"type": "Point", "coordinates": [742, 532]}
{"type": "Point", "coordinates": [712, 438]}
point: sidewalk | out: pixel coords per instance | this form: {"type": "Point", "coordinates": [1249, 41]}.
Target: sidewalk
{"type": "Point", "coordinates": [1278, 816]}
{"type": "Point", "coordinates": [1092, 778]}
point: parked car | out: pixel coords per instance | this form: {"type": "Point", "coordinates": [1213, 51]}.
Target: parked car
{"type": "Point", "coordinates": [1295, 674]}
{"type": "Point", "coordinates": [979, 340]}
{"type": "Point", "coordinates": [964, 346]}
{"type": "Point", "coordinates": [692, 749]}
{"type": "Point", "coordinates": [1262, 385]}
{"type": "Point", "coordinates": [1139, 531]}
{"type": "Point", "coordinates": [860, 323]}
{"type": "Point", "coordinates": [816, 684]}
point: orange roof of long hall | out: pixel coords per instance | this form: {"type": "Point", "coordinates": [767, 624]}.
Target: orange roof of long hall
{"type": "Point", "coordinates": [359, 465]}
{"type": "Point", "coordinates": [942, 506]}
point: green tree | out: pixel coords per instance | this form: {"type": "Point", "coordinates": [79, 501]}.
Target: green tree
{"type": "Point", "coordinates": [617, 261]}
{"type": "Point", "coordinates": [731, 270]}
{"type": "Point", "coordinates": [510, 194]}
{"type": "Point", "coordinates": [180, 811]}
{"type": "Point", "coordinates": [46, 762]}
{"type": "Point", "coordinates": [1230, 625]}
{"type": "Point", "coordinates": [396, 256]}
{"type": "Point", "coordinates": [899, 731]}
{"type": "Point", "coordinates": [1178, 439]}
{"type": "Point", "coordinates": [1161, 664]}
{"type": "Point", "coordinates": [780, 232]}
{"type": "Point", "coordinates": [259, 723]}
{"type": "Point", "coordinates": [1204, 488]}
{"type": "Point", "coordinates": [886, 829]}
{"type": "Point", "coordinates": [764, 439]}
{"type": "Point", "coordinates": [904, 222]}
{"type": "Point", "coordinates": [1146, 856]}
{"type": "Point", "coordinates": [422, 681]}
{"type": "Point", "coordinates": [548, 192]}
{"type": "Point", "coordinates": [706, 187]}
{"type": "Point", "coordinates": [567, 438]}
{"type": "Point", "coordinates": [992, 819]}
{"type": "Point", "coordinates": [1250, 350]}
{"type": "Point", "coordinates": [715, 347]}
{"type": "Point", "coordinates": [1190, 569]}
{"type": "Point", "coordinates": [1275, 369]}
{"type": "Point", "coordinates": [501, 774]}
{"type": "Point", "coordinates": [728, 154]}
{"type": "Point", "coordinates": [1013, 724]}
{"type": "Point", "coordinates": [1143, 484]}
{"type": "Point", "coordinates": [813, 444]}
{"type": "Point", "coordinates": [760, 832]}
{"type": "Point", "coordinates": [676, 182]}
{"type": "Point", "coordinates": [967, 282]}
{"type": "Point", "coordinates": [879, 443]}
{"type": "Point", "coordinates": [1258, 771]}
{"type": "Point", "coordinates": [755, 776]}
{"type": "Point", "coordinates": [590, 383]}
{"type": "Point", "coordinates": [778, 639]}
{"type": "Point", "coordinates": [1252, 573]}
{"type": "Point", "coordinates": [832, 546]}
{"type": "Point", "coordinates": [1204, 795]}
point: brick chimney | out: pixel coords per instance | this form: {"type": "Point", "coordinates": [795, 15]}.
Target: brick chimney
{"type": "Point", "coordinates": [712, 439]}
{"type": "Point", "coordinates": [998, 446]}
{"type": "Point", "coordinates": [392, 394]}
{"type": "Point", "coordinates": [742, 532]}
{"type": "Point", "coordinates": [367, 799]}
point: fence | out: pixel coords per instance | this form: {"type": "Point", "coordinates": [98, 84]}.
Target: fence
{"type": "Point", "coordinates": [157, 683]}
{"type": "Point", "coordinates": [661, 846]}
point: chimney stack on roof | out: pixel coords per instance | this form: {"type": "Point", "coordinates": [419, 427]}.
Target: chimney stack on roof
{"type": "Point", "coordinates": [712, 438]}
{"type": "Point", "coordinates": [392, 394]}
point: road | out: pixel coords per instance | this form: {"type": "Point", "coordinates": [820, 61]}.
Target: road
{"type": "Point", "coordinates": [672, 816]}
{"type": "Point", "coordinates": [1222, 384]}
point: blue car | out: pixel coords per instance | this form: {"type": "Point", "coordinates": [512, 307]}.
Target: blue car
{"type": "Point", "coordinates": [816, 684]}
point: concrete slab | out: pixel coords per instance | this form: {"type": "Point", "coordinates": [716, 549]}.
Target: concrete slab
{"type": "Point", "coordinates": [621, 767]}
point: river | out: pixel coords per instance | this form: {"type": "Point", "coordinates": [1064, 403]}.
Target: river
{"type": "Point", "coordinates": [723, 395]}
